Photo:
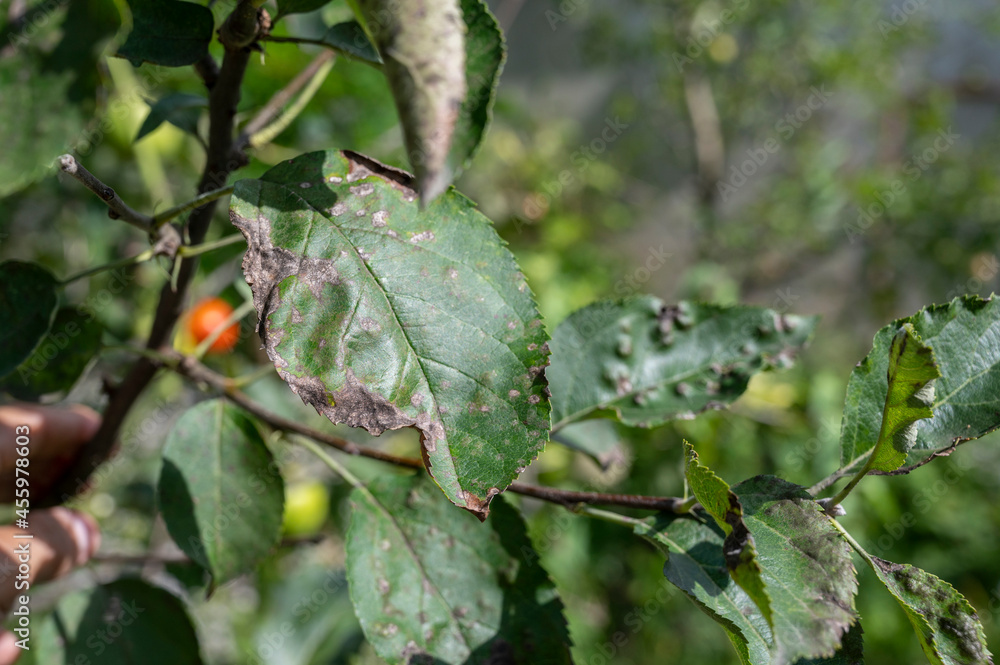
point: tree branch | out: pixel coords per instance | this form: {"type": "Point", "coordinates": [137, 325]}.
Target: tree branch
{"type": "Point", "coordinates": [224, 95]}
{"type": "Point", "coordinates": [274, 105]}
{"type": "Point", "coordinates": [189, 367]}
{"type": "Point", "coordinates": [117, 209]}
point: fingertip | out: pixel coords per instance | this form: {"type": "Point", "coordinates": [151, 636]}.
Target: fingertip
{"type": "Point", "coordinates": [9, 651]}
{"type": "Point", "coordinates": [86, 535]}
{"type": "Point", "coordinates": [90, 421]}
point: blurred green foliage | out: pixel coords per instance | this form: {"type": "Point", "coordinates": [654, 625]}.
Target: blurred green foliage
{"type": "Point", "coordinates": [593, 161]}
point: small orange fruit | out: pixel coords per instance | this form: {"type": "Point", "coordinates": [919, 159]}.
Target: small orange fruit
{"type": "Point", "coordinates": [205, 317]}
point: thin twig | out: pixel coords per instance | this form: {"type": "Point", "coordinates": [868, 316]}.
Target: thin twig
{"type": "Point", "coordinates": [196, 202]}
{"type": "Point", "coordinates": [117, 209]}
{"type": "Point", "coordinates": [944, 452]}
{"type": "Point", "coordinates": [281, 123]}
{"type": "Point", "coordinates": [273, 107]}
{"type": "Point", "coordinates": [848, 470]}
{"type": "Point", "coordinates": [224, 95]}
{"type": "Point", "coordinates": [191, 368]}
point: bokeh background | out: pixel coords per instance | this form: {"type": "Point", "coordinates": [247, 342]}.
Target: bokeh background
{"type": "Point", "coordinates": [814, 157]}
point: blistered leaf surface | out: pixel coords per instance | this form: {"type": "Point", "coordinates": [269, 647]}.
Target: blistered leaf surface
{"type": "Point", "coordinates": [650, 362]}
{"type": "Point", "coordinates": [383, 316]}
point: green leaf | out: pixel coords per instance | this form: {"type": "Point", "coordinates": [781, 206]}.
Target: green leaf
{"type": "Point", "coordinates": [129, 617]}
{"type": "Point", "coordinates": [946, 625]}
{"type": "Point", "coordinates": [382, 316]}
{"type": "Point", "coordinates": [909, 395]}
{"type": "Point", "coordinates": [427, 581]}
{"type": "Point", "coordinates": [649, 362]}
{"type": "Point", "coordinates": [73, 340]}
{"type": "Point", "coordinates": [485, 53]}
{"type": "Point", "coordinates": [219, 493]}
{"type": "Point", "coordinates": [28, 303]}
{"type": "Point", "coordinates": [180, 109]}
{"type": "Point", "coordinates": [806, 567]}
{"type": "Point", "coordinates": [422, 45]}
{"type": "Point", "coordinates": [286, 7]}
{"type": "Point", "coordinates": [168, 33]}
{"type": "Point", "coordinates": [697, 566]}
{"type": "Point", "coordinates": [966, 402]}
{"type": "Point", "coordinates": [597, 438]}
{"type": "Point", "coordinates": [51, 85]}
{"type": "Point", "coordinates": [350, 38]}
{"type": "Point", "coordinates": [714, 495]}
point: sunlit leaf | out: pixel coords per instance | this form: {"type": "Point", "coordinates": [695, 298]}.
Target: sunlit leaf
{"type": "Point", "coordinates": [714, 495]}
{"type": "Point", "coordinates": [963, 335]}
{"type": "Point", "coordinates": [946, 625]}
{"type": "Point", "coordinates": [649, 362]}
{"type": "Point", "coordinates": [383, 316]}
{"type": "Point", "coordinates": [806, 567]}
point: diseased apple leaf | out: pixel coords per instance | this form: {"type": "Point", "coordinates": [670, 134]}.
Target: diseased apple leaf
{"type": "Point", "coordinates": [714, 495]}
{"type": "Point", "coordinates": [806, 567]}
{"type": "Point", "coordinates": [697, 566]}
{"type": "Point", "coordinates": [946, 625]}
{"type": "Point", "coordinates": [219, 494]}
{"type": "Point", "coordinates": [28, 303]}
{"type": "Point", "coordinates": [384, 316]}
{"type": "Point", "coordinates": [422, 45]}
{"type": "Point", "coordinates": [485, 53]}
{"type": "Point", "coordinates": [168, 33]}
{"type": "Point", "coordinates": [72, 341]}
{"type": "Point", "coordinates": [648, 362]}
{"type": "Point", "coordinates": [851, 651]}
{"type": "Point", "coordinates": [963, 335]}
{"type": "Point", "coordinates": [430, 584]}
{"type": "Point", "coordinates": [909, 395]}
